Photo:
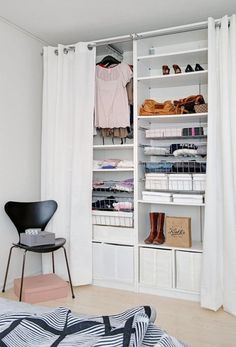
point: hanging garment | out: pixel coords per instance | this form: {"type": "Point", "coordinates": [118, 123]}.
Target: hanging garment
{"type": "Point", "coordinates": [111, 100]}
{"type": "Point", "coordinates": [115, 132]}
{"type": "Point", "coordinates": [66, 169]}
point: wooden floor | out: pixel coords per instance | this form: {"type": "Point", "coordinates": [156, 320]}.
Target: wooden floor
{"type": "Point", "coordinates": [182, 319]}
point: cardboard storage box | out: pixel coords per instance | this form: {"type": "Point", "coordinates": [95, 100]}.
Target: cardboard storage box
{"type": "Point", "coordinates": [178, 232]}
{"type": "Point", "coordinates": [41, 288]}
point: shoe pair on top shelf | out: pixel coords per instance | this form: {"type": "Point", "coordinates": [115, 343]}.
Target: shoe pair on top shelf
{"type": "Point", "coordinates": [177, 69]}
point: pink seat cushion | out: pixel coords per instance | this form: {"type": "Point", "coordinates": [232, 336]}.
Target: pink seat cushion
{"type": "Point", "coordinates": [41, 288]}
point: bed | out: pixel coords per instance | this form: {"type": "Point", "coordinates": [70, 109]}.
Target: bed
{"type": "Point", "coordinates": [25, 325]}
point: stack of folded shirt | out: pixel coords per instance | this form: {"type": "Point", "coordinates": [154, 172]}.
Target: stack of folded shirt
{"type": "Point", "coordinates": [125, 186]}
{"type": "Point", "coordinates": [156, 151]}
{"type": "Point", "coordinates": [123, 206]}
{"type": "Point", "coordinates": [112, 164]}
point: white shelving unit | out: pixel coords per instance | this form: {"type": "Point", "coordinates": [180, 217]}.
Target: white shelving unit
{"type": "Point", "coordinates": [165, 270]}
{"type": "Point", "coordinates": [121, 259]}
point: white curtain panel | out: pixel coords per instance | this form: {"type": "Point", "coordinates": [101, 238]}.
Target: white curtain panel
{"type": "Point", "coordinates": [67, 139]}
{"type": "Point", "coordinates": [219, 257]}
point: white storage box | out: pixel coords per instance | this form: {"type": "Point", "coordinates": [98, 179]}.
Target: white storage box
{"type": "Point", "coordinates": [188, 198]}
{"type": "Point", "coordinates": [180, 182]}
{"type": "Point", "coordinates": [155, 267]}
{"type": "Point", "coordinates": [188, 271]}
{"type": "Point", "coordinates": [199, 182]}
{"type": "Point", "coordinates": [119, 219]}
{"type": "Point", "coordinates": [163, 132]}
{"type": "Point", "coordinates": [156, 197]}
{"type": "Point", "coordinates": [156, 181]}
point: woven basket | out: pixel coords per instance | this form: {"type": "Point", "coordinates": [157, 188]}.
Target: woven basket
{"type": "Point", "coordinates": [202, 108]}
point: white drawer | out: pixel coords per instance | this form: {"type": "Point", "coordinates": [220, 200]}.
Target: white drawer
{"type": "Point", "coordinates": [113, 263]}
{"type": "Point", "coordinates": [113, 234]}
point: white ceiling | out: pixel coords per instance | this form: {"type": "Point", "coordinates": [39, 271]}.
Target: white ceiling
{"type": "Point", "coordinates": [70, 21]}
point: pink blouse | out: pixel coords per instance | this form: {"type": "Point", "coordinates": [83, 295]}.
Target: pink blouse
{"type": "Point", "coordinates": [111, 100]}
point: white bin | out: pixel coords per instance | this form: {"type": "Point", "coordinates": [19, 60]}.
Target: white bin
{"type": "Point", "coordinates": [188, 271]}
{"type": "Point", "coordinates": [120, 219]}
{"type": "Point", "coordinates": [180, 182]}
{"type": "Point", "coordinates": [199, 182]}
{"type": "Point", "coordinates": [188, 198]}
{"type": "Point", "coordinates": [156, 181]}
{"type": "Point", "coordinates": [155, 268]}
{"type": "Point", "coordinates": [156, 196]}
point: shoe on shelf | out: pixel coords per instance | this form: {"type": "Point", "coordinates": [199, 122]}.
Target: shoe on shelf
{"type": "Point", "coordinates": [176, 68]}
{"type": "Point", "coordinates": [165, 70]}
{"type": "Point", "coordinates": [198, 67]}
{"type": "Point", "coordinates": [153, 227]}
{"type": "Point", "coordinates": [189, 68]}
{"type": "Point", "coordinates": [160, 238]}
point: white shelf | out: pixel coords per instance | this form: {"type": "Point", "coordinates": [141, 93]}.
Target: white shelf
{"type": "Point", "coordinates": [196, 246]}
{"type": "Point", "coordinates": [171, 203]}
{"type": "Point", "coordinates": [179, 118]}
{"type": "Point", "coordinates": [125, 146]}
{"type": "Point", "coordinates": [113, 170]}
{"type": "Point", "coordinates": [181, 58]}
{"type": "Point", "coordinates": [175, 80]}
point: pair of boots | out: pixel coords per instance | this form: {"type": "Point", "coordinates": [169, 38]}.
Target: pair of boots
{"type": "Point", "coordinates": [156, 235]}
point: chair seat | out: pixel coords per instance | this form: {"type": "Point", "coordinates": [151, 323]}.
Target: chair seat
{"type": "Point", "coordinates": [59, 242]}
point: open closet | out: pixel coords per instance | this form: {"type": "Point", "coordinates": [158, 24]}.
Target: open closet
{"type": "Point", "coordinates": [113, 177]}
{"type": "Point", "coordinates": [165, 154]}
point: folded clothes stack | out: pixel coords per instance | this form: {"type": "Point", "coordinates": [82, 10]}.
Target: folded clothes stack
{"type": "Point", "coordinates": [178, 150]}
{"type": "Point", "coordinates": [110, 203]}
{"type": "Point", "coordinates": [112, 164]}
{"type": "Point", "coordinates": [112, 186]}
{"type": "Point", "coordinates": [176, 167]}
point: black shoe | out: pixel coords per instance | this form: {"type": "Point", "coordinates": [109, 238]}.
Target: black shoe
{"type": "Point", "coordinates": [189, 68]}
{"type": "Point", "coordinates": [198, 67]}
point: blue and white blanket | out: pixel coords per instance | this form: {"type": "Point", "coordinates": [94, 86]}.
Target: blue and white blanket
{"type": "Point", "coordinates": [132, 328]}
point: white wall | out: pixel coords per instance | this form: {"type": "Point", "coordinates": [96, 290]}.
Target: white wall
{"type": "Point", "coordinates": [20, 135]}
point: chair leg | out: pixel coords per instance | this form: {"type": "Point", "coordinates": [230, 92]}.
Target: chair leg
{"type": "Point", "coordinates": [68, 270]}
{"type": "Point", "coordinates": [53, 263]}
{"type": "Point", "coordinates": [7, 269]}
{"type": "Point", "coordinates": [22, 275]}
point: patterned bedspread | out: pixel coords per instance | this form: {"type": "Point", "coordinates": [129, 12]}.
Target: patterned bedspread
{"type": "Point", "coordinates": [132, 328]}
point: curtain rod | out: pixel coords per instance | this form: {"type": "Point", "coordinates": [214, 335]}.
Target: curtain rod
{"type": "Point", "coordinates": [142, 35]}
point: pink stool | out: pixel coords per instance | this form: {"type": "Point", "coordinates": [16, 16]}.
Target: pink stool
{"type": "Point", "coordinates": [41, 288]}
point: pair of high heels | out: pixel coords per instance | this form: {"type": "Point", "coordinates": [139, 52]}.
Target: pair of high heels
{"type": "Point", "coordinates": [198, 67]}
{"type": "Point", "coordinates": [177, 69]}
{"type": "Point", "coordinates": [166, 69]}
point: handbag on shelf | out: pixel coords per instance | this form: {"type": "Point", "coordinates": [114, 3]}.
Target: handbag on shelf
{"type": "Point", "coordinates": [202, 108]}
{"type": "Point", "coordinates": [152, 107]}
{"type": "Point", "coordinates": [189, 103]}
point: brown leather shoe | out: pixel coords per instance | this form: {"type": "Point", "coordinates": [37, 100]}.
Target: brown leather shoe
{"type": "Point", "coordinates": [153, 227]}
{"type": "Point", "coordinates": [160, 238]}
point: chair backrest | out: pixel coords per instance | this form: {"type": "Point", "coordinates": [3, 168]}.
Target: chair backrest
{"type": "Point", "coordinates": [25, 215]}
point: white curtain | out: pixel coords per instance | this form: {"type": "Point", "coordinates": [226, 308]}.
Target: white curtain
{"type": "Point", "coordinates": [67, 137]}
{"type": "Point", "coordinates": [219, 259]}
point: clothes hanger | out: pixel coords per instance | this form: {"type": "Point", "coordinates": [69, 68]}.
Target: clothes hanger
{"type": "Point", "coordinates": [108, 60]}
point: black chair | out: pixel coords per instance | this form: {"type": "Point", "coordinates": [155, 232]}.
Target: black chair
{"type": "Point", "coordinates": [25, 215]}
